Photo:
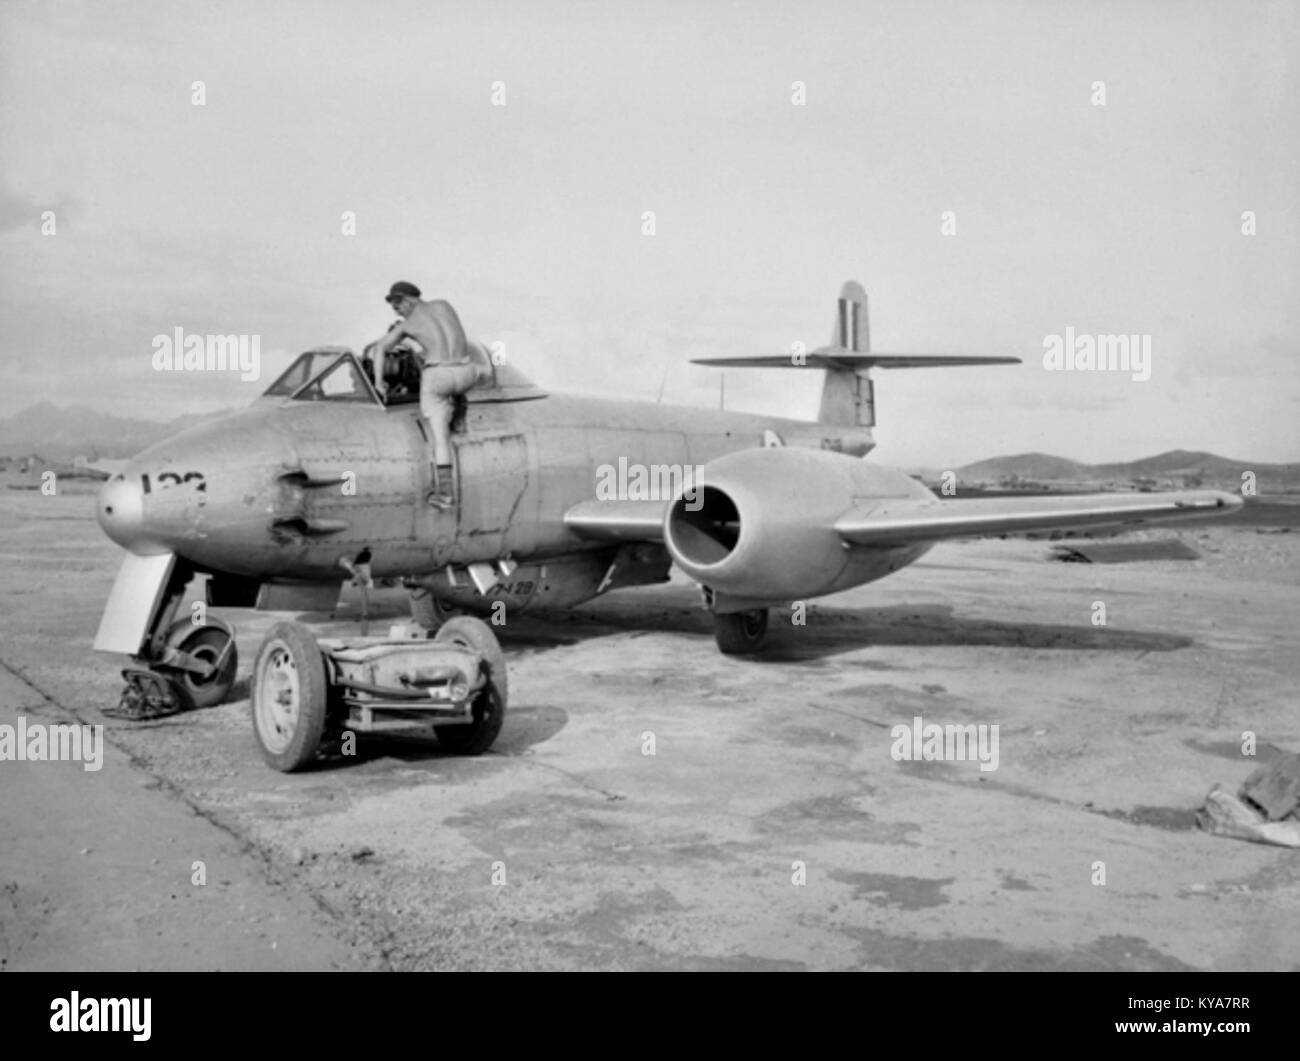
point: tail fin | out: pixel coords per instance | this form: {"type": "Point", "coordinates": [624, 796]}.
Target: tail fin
{"type": "Point", "coordinates": [848, 396]}
{"type": "Point", "coordinates": [852, 329]}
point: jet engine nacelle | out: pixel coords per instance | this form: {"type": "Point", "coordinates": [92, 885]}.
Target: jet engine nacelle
{"type": "Point", "coordinates": [759, 524]}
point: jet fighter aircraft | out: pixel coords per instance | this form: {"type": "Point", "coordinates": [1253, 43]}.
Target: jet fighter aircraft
{"type": "Point", "coordinates": [559, 499]}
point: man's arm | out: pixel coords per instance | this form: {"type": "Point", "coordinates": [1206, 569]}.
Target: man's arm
{"type": "Point", "coordinates": [378, 349]}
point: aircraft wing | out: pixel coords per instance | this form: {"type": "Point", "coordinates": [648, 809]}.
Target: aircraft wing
{"type": "Point", "coordinates": [903, 521]}
{"type": "Point", "coordinates": [892, 522]}
{"type": "Point", "coordinates": [620, 521]}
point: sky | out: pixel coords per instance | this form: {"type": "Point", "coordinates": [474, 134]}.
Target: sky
{"type": "Point", "coordinates": [504, 156]}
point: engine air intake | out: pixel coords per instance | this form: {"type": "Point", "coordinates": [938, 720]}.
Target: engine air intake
{"type": "Point", "coordinates": [704, 529]}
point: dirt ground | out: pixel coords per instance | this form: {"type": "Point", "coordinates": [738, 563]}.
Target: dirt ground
{"type": "Point", "coordinates": [568, 847]}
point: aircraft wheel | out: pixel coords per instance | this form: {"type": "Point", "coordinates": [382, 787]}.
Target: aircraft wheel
{"type": "Point", "coordinates": [474, 738]}
{"type": "Point", "coordinates": [289, 697]}
{"type": "Point", "coordinates": [739, 633]}
{"type": "Point", "coordinates": [207, 643]}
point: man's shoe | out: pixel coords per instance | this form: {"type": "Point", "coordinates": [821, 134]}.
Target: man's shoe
{"type": "Point", "coordinates": [437, 499]}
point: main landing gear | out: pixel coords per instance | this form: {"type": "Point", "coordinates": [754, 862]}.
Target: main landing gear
{"type": "Point", "coordinates": [737, 633]}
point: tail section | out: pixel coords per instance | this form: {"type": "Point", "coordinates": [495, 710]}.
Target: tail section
{"type": "Point", "coordinates": [848, 395]}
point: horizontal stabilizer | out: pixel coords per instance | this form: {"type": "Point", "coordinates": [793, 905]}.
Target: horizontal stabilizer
{"type": "Point", "coordinates": [835, 357]}
{"type": "Point", "coordinates": [903, 522]}
{"type": "Point", "coordinates": [848, 396]}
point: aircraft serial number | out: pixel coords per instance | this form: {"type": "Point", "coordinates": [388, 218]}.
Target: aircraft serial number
{"type": "Point", "coordinates": [518, 589]}
{"type": "Point", "coordinates": [166, 479]}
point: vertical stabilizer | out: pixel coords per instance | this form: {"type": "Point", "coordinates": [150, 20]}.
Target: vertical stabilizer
{"type": "Point", "coordinates": [848, 396]}
{"type": "Point", "coordinates": [852, 329]}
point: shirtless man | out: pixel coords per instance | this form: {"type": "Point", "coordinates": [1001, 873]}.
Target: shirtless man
{"type": "Point", "coordinates": [448, 371]}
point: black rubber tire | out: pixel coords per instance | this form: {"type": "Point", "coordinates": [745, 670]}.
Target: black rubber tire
{"type": "Point", "coordinates": [740, 633]}
{"type": "Point", "coordinates": [474, 738]}
{"type": "Point", "coordinates": [207, 642]}
{"type": "Point", "coordinates": [289, 740]}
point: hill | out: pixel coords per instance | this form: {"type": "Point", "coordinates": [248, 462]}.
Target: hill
{"type": "Point", "coordinates": [1177, 468]}
{"type": "Point", "coordinates": [59, 433]}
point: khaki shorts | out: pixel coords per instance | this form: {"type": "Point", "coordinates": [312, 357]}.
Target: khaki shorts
{"type": "Point", "coordinates": [441, 382]}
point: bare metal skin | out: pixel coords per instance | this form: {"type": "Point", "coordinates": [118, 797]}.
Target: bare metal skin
{"type": "Point", "coordinates": [319, 469]}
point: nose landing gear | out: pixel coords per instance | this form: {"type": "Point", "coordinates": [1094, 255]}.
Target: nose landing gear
{"type": "Point", "coordinates": [203, 660]}
{"type": "Point", "coordinates": [196, 669]}
{"type": "Point", "coordinates": [181, 665]}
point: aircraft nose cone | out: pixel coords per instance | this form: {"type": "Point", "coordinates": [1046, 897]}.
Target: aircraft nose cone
{"type": "Point", "coordinates": [120, 511]}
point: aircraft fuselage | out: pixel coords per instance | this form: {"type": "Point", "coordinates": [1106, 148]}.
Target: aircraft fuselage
{"type": "Point", "coordinates": [284, 489]}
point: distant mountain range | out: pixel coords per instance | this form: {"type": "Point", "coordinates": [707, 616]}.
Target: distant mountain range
{"type": "Point", "coordinates": [1178, 467]}
{"type": "Point", "coordinates": [60, 433]}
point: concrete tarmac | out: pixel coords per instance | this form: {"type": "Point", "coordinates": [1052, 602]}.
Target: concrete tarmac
{"type": "Point", "coordinates": [651, 804]}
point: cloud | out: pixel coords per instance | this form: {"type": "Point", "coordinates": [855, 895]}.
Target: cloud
{"type": "Point", "coordinates": [18, 210]}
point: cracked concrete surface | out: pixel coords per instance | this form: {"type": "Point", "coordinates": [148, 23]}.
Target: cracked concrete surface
{"type": "Point", "coordinates": [764, 771]}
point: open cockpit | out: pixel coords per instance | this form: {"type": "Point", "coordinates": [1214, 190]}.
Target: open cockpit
{"type": "Point", "coordinates": [335, 374]}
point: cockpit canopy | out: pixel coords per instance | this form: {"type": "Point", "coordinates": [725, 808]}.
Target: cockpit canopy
{"type": "Point", "coordinates": [327, 374]}
{"type": "Point", "coordinates": [333, 374]}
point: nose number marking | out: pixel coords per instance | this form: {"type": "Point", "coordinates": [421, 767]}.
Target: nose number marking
{"type": "Point", "coordinates": [166, 479]}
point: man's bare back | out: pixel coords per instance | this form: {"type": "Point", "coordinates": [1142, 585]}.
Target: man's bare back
{"type": "Point", "coordinates": [435, 326]}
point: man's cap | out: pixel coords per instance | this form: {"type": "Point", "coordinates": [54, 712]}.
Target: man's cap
{"type": "Point", "coordinates": [402, 289]}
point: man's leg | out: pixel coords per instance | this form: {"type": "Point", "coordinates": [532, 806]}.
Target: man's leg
{"type": "Point", "coordinates": [438, 390]}
{"type": "Point", "coordinates": [437, 409]}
